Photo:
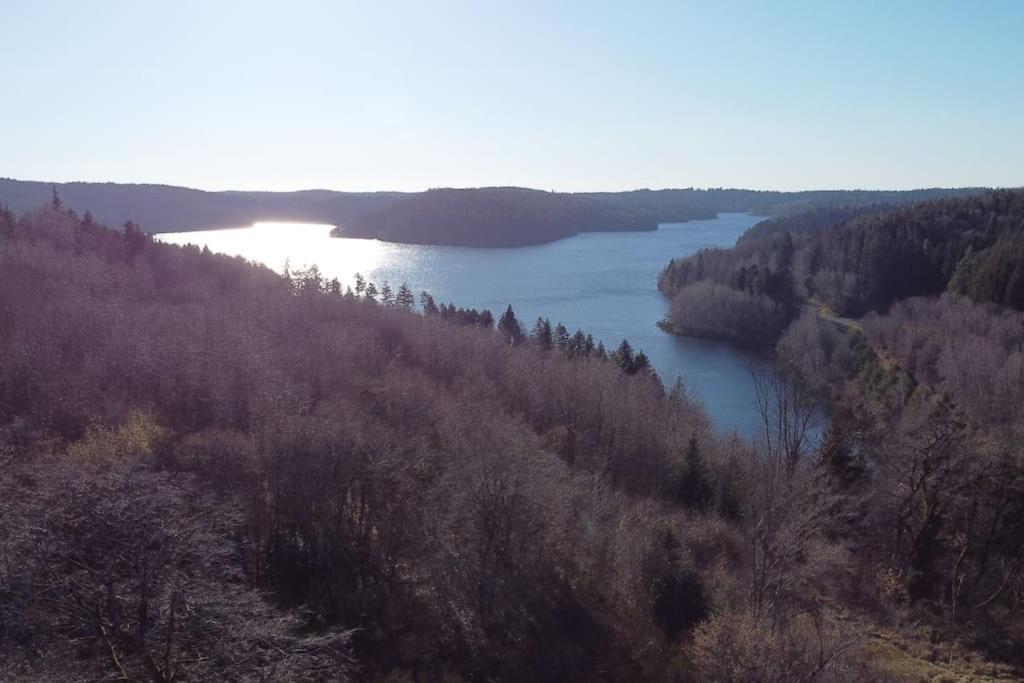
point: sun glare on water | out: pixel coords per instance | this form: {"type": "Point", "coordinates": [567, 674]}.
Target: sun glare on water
{"type": "Point", "coordinates": [297, 245]}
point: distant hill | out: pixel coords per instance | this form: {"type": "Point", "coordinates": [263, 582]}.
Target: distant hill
{"type": "Point", "coordinates": [495, 216]}
{"type": "Point", "coordinates": [165, 208]}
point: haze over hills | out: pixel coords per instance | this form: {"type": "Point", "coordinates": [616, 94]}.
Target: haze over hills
{"type": "Point", "coordinates": [506, 216]}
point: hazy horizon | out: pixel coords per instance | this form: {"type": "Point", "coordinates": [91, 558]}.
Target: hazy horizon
{"type": "Point", "coordinates": [382, 190]}
{"type": "Point", "coordinates": [566, 98]}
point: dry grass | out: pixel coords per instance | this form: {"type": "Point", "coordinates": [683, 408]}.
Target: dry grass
{"type": "Point", "coordinates": [914, 657]}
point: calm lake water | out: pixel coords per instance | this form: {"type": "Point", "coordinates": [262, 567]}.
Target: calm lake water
{"type": "Point", "coordinates": [602, 283]}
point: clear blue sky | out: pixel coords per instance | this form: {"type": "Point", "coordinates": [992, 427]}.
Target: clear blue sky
{"type": "Point", "coordinates": [568, 96]}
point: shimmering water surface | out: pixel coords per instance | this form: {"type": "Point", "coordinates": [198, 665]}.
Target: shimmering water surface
{"type": "Point", "coordinates": [602, 283]}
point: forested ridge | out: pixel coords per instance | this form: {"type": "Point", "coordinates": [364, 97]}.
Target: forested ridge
{"type": "Point", "coordinates": [923, 385]}
{"type": "Point", "coordinates": [210, 471]}
{"type": "Point", "coordinates": [487, 216]}
{"type": "Point", "coordinates": [851, 263]}
{"type": "Point", "coordinates": [496, 217]}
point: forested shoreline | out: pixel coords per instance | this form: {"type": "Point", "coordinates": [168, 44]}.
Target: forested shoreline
{"type": "Point", "coordinates": [907, 322]}
{"type": "Point", "coordinates": [481, 217]}
{"type": "Point", "coordinates": [209, 470]}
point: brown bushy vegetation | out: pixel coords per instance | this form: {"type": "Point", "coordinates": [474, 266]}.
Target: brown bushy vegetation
{"type": "Point", "coordinates": [923, 445]}
{"type": "Point", "coordinates": [208, 470]}
{"type": "Point", "coordinates": [925, 437]}
{"type": "Point", "coordinates": [213, 471]}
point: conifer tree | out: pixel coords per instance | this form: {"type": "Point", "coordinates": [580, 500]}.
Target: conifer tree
{"type": "Point", "coordinates": [509, 327]}
{"type": "Point", "coordinates": [427, 304]}
{"type": "Point", "coordinates": [641, 363]}
{"type": "Point", "coordinates": [624, 356]}
{"type": "Point", "coordinates": [561, 337]}
{"type": "Point", "coordinates": [578, 345]}
{"type": "Point", "coordinates": [541, 334]}
{"type": "Point", "coordinates": [404, 298]}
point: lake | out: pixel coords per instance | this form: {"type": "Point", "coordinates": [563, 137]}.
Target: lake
{"type": "Point", "coordinates": [602, 283]}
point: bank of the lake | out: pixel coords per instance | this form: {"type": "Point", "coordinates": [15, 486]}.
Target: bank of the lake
{"type": "Point", "coordinates": [603, 283]}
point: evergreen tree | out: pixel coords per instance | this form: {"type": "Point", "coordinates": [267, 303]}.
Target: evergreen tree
{"type": "Point", "coordinates": [134, 239]}
{"type": "Point", "coordinates": [578, 345]}
{"type": "Point", "coordinates": [427, 304]}
{"type": "Point", "coordinates": [405, 298]}
{"type": "Point", "coordinates": [371, 291]}
{"type": "Point", "coordinates": [541, 334]}
{"type": "Point", "coordinates": [509, 327]}
{"type": "Point", "coordinates": [561, 337]}
{"type": "Point", "coordinates": [55, 202]}
{"type": "Point", "coordinates": [692, 480]}
{"type": "Point", "coordinates": [624, 356]}
{"type": "Point", "coordinates": [386, 296]}
{"type": "Point", "coordinates": [486, 319]}
{"type": "Point", "coordinates": [641, 363]}
{"type": "Point", "coordinates": [360, 285]}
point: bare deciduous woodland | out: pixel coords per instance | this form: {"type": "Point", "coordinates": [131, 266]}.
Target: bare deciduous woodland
{"type": "Point", "coordinates": [211, 471]}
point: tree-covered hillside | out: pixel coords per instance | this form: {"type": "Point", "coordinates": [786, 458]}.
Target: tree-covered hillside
{"type": "Point", "coordinates": [968, 245]}
{"type": "Point", "coordinates": [923, 392]}
{"type": "Point", "coordinates": [495, 217]}
{"type": "Point", "coordinates": [471, 217]}
{"type": "Point", "coordinates": [209, 471]}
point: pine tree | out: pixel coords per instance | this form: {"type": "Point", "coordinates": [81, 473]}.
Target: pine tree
{"type": "Point", "coordinates": [624, 356]}
{"type": "Point", "coordinates": [578, 345]}
{"type": "Point", "coordinates": [541, 334]}
{"type": "Point", "coordinates": [360, 285]}
{"type": "Point", "coordinates": [386, 296]}
{"type": "Point", "coordinates": [640, 363]}
{"type": "Point", "coordinates": [561, 337]}
{"type": "Point", "coordinates": [134, 239]}
{"type": "Point", "coordinates": [486, 319]}
{"type": "Point", "coordinates": [371, 291]}
{"type": "Point", "coordinates": [404, 298]}
{"type": "Point", "coordinates": [509, 327]}
{"type": "Point", "coordinates": [427, 304]}
{"type": "Point", "coordinates": [55, 199]}
{"type": "Point", "coordinates": [692, 481]}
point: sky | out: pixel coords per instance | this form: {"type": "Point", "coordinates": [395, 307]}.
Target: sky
{"type": "Point", "coordinates": [552, 95]}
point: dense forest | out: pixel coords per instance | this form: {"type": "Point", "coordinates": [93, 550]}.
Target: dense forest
{"type": "Point", "coordinates": [208, 470]}
{"type": "Point", "coordinates": [851, 263]}
{"type": "Point", "coordinates": [495, 217]}
{"type": "Point", "coordinates": [470, 217]}
{"type": "Point", "coordinates": [924, 390]}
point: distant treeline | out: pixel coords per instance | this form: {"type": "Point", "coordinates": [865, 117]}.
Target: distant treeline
{"type": "Point", "coordinates": [495, 217]}
{"type": "Point", "coordinates": [471, 217]}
